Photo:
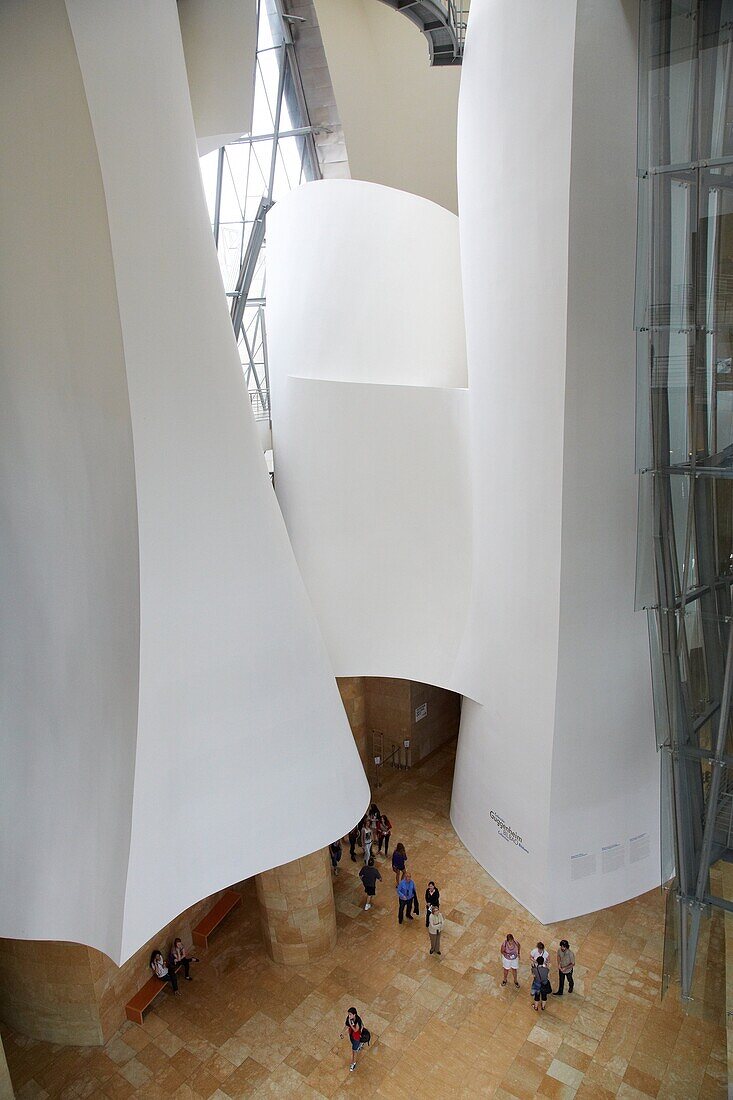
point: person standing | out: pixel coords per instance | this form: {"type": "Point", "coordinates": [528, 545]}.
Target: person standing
{"type": "Point", "coordinates": [366, 840]}
{"type": "Point", "coordinates": [565, 964]}
{"type": "Point", "coordinates": [370, 876]}
{"type": "Point", "coordinates": [179, 956]}
{"type": "Point", "coordinates": [540, 982]}
{"type": "Point", "coordinates": [353, 837]}
{"type": "Point", "coordinates": [435, 927]}
{"type": "Point", "coordinates": [399, 859]}
{"type": "Point", "coordinates": [539, 950]}
{"type": "Point", "coordinates": [354, 1026]}
{"type": "Point", "coordinates": [407, 895]}
{"type": "Point", "coordinates": [335, 851]}
{"type": "Point", "coordinates": [510, 952]}
{"type": "Point", "coordinates": [432, 897]}
{"type": "Point", "coordinates": [384, 832]}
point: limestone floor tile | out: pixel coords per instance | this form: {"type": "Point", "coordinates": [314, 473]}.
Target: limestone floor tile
{"type": "Point", "coordinates": [248, 1027]}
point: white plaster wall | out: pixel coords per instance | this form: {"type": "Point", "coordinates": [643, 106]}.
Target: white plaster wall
{"type": "Point", "coordinates": [373, 482]}
{"type": "Point", "coordinates": [364, 285]}
{"type": "Point", "coordinates": [398, 113]}
{"type": "Point", "coordinates": [69, 647]}
{"type": "Point", "coordinates": [236, 705]}
{"type": "Point", "coordinates": [219, 44]}
{"type": "Point", "coordinates": [367, 357]}
{"type": "Point", "coordinates": [547, 195]}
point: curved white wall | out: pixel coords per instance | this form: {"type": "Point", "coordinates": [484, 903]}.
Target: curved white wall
{"type": "Point", "coordinates": [556, 736]}
{"type": "Point", "coordinates": [219, 43]}
{"type": "Point", "coordinates": [164, 722]}
{"type": "Point", "coordinates": [548, 202]}
{"type": "Point", "coordinates": [365, 286]}
{"type": "Point", "coordinates": [367, 357]}
{"type": "Point", "coordinates": [398, 113]}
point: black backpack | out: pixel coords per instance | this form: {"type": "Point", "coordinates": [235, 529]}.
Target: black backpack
{"type": "Point", "coordinates": [366, 1036]}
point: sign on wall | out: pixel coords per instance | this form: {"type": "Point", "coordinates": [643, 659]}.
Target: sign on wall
{"type": "Point", "coordinates": [506, 832]}
{"type": "Point", "coordinates": [421, 711]}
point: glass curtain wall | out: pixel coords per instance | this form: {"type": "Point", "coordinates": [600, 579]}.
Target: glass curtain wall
{"type": "Point", "coordinates": [244, 179]}
{"type": "Point", "coordinates": [684, 323]}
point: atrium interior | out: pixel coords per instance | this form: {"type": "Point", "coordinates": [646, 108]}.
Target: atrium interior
{"type": "Point", "coordinates": [366, 422]}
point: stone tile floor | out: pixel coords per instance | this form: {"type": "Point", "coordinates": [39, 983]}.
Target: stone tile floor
{"type": "Point", "coordinates": [442, 1027]}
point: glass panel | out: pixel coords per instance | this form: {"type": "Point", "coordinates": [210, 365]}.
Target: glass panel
{"type": "Point", "coordinates": [671, 75]}
{"type": "Point", "coordinates": [671, 951]}
{"type": "Point", "coordinates": [645, 590]}
{"type": "Point", "coordinates": [662, 724]}
{"type": "Point", "coordinates": [672, 360]}
{"type": "Point", "coordinates": [716, 55]}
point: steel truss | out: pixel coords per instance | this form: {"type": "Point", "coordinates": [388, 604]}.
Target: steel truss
{"type": "Point", "coordinates": [684, 321]}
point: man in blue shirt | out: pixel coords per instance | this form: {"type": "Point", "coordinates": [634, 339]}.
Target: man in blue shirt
{"type": "Point", "coordinates": [408, 897]}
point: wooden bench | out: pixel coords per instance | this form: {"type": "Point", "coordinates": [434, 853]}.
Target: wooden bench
{"type": "Point", "coordinates": [214, 917]}
{"type": "Point", "coordinates": [144, 998]}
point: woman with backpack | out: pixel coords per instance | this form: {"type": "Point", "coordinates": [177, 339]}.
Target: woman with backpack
{"type": "Point", "coordinates": [358, 1035]}
{"type": "Point", "coordinates": [540, 982]}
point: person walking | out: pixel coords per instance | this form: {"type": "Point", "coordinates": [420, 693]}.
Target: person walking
{"type": "Point", "coordinates": [510, 952]}
{"type": "Point", "coordinates": [435, 927]}
{"type": "Point", "coordinates": [353, 837]}
{"type": "Point", "coordinates": [369, 876]}
{"type": "Point", "coordinates": [366, 840]}
{"type": "Point", "coordinates": [335, 851]}
{"type": "Point", "coordinates": [353, 1024]}
{"type": "Point", "coordinates": [540, 983]}
{"type": "Point", "coordinates": [399, 859]}
{"type": "Point", "coordinates": [384, 832]}
{"type": "Point", "coordinates": [161, 971]}
{"type": "Point", "coordinates": [179, 956]}
{"type": "Point", "coordinates": [565, 964]}
{"type": "Point", "coordinates": [432, 897]}
{"type": "Point", "coordinates": [407, 895]}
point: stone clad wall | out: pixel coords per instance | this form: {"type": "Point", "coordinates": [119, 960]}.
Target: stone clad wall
{"type": "Point", "coordinates": [297, 909]}
{"type": "Point", "coordinates": [71, 994]}
{"type": "Point", "coordinates": [388, 704]}
{"type": "Point", "coordinates": [354, 699]}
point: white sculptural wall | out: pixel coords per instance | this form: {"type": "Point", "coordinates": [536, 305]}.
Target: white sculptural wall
{"type": "Point", "coordinates": [168, 701]}
{"type": "Point", "coordinates": [367, 373]}
{"type": "Point", "coordinates": [564, 749]}
{"type": "Point", "coordinates": [219, 44]}
{"type": "Point", "coordinates": [556, 735]}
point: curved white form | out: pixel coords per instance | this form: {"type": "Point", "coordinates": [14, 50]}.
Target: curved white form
{"type": "Point", "coordinates": [219, 44]}
{"type": "Point", "coordinates": [556, 790]}
{"type": "Point", "coordinates": [563, 752]}
{"type": "Point", "coordinates": [167, 699]}
{"type": "Point", "coordinates": [365, 286]}
{"type": "Point", "coordinates": [367, 357]}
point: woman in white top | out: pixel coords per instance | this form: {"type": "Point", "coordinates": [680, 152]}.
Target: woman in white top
{"type": "Point", "coordinates": [435, 927]}
{"type": "Point", "coordinates": [161, 971]}
{"type": "Point", "coordinates": [366, 840]}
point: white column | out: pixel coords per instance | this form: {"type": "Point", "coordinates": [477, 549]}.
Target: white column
{"type": "Point", "coordinates": [563, 750]}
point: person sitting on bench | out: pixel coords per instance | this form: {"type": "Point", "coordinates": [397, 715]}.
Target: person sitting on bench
{"type": "Point", "coordinates": [179, 956]}
{"type": "Point", "coordinates": [161, 971]}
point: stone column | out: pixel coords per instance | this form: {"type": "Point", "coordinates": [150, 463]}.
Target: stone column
{"type": "Point", "coordinates": [297, 909]}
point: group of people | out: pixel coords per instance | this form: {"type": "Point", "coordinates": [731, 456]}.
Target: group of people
{"type": "Point", "coordinates": [377, 826]}
{"type": "Point", "coordinates": [541, 987]}
{"type": "Point", "coordinates": [177, 956]}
